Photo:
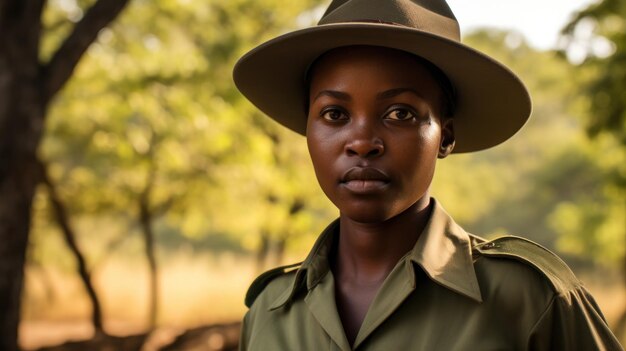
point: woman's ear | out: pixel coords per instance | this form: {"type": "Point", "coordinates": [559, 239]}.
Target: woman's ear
{"type": "Point", "coordinates": [447, 138]}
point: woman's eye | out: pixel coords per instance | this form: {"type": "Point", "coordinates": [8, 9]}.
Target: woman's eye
{"type": "Point", "coordinates": [401, 114]}
{"type": "Point", "coordinates": [334, 115]}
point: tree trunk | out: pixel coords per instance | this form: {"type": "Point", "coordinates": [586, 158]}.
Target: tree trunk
{"type": "Point", "coordinates": [279, 250]}
{"type": "Point", "coordinates": [262, 251]}
{"type": "Point", "coordinates": [146, 217]}
{"type": "Point", "coordinates": [620, 324]}
{"type": "Point", "coordinates": [281, 243]}
{"type": "Point", "coordinates": [26, 87]}
{"type": "Point", "coordinates": [60, 214]}
{"type": "Point", "coordinates": [21, 117]}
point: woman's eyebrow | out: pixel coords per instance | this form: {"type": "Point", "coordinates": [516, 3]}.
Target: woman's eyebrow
{"type": "Point", "coordinates": [340, 95]}
{"type": "Point", "coordinates": [395, 92]}
{"type": "Point", "coordinates": [333, 93]}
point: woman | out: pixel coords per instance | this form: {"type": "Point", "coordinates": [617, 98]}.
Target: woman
{"type": "Point", "coordinates": [382, 89]}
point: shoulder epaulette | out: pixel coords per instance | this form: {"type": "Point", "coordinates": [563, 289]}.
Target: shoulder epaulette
{"type": "Point", "coordinates": [547, 263]}
{"type": "Point", "coordinates": [264, 279]}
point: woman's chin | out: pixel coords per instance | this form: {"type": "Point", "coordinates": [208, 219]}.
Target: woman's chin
{"type": "Point", "coordinates": [367, 214]}
{"type": "Point", "coordinates": [372, 212]}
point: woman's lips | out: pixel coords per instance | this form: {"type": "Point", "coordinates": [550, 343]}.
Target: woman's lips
{"type": "Point", "coordinates": [364, 180]}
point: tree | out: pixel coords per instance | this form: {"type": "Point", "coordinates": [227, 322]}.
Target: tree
{"type": "Point", "coordinates": [605, 51]}
{"type": "Point", "coordinates": [599, 31]}
{"type": "Point", "coordinates": [27, 86]}
{"type": "Point", "coordinates": [152, 133]}
{"type": "Point", "coordinates": [69, 235]}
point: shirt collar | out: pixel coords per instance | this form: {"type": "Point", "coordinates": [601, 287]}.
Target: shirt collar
{"type": "Point", "coordinates": [443, 250]}
{"type": "Point", "coordinates": [314, 268]}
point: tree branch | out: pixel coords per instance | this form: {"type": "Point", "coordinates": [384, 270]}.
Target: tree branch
{"type": "Point", "coordinates": [146, 217]}
{"type": "Point", "coordinates": [62, 219]}
{"type": "Point", "coordinates": [60, 68]}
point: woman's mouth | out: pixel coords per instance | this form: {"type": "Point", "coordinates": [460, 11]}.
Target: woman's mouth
{"type": "Point", "coordinates": [363, 180]}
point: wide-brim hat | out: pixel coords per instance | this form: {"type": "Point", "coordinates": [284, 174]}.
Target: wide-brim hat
{"type": "Point", "coordinates": [492, 104]}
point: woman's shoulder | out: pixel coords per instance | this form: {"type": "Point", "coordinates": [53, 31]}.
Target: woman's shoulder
{"type": "Point", "coordinates": [272, 283]}
{"type": "Point", "coordinates": [527, 280]}
{"type": "Point", "coordinates": [521, 280]}
{"type": "Point", "coordinates": [512, 255]}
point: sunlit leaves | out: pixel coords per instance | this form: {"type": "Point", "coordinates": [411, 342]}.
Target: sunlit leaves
{"type": "Point", "coordinates": [155, 94]}
{"type": "Point", "coordinates": [605, 52]}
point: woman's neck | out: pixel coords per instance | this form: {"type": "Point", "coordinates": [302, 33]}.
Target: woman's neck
{"type": "Point", "coordinates": [367, 252]}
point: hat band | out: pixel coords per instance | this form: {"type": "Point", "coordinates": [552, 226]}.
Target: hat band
{"type": "Point", "coordinates": [375, 21]}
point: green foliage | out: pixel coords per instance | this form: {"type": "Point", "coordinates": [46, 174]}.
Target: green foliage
{"type": "Point", "coordinates": [607, 88]}
{"type": "Point", "coordinates": [594, 225]}
{"type": "Point", "coordinates": [153, 101]}
{"type": "Point", "coordinates": [550, 183]}
{"type": "Point", "coordinates": [590, 215]}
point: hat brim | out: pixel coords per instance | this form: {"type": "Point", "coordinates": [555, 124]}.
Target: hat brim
{"type": "Point", "coordinates": [492, 103]}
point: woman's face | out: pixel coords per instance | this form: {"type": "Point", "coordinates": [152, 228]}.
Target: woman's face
{"type": "Point", "coordinates": [375, 130]}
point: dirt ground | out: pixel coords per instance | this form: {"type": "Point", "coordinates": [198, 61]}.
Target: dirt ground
{"type": "Point", "coordinates": [80, 337]}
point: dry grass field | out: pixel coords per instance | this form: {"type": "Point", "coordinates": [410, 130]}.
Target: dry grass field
{"type": "Point", "coordinates": [194, 291]}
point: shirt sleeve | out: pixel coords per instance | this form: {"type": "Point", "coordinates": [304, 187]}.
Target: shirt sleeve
{"type": "Point", "coordinates": [572, 321]}
{"type": "Point", "coordinates": [244, 337]}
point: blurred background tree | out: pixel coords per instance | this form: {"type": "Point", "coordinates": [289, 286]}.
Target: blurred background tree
{"type": "Point", "coordinates": [597, 229]}
{"type": "Point", "coordinates": [598, 34]}
{"type": "Point", "coordinates": [151, 137]}
{"type": "Point", "coordinates": [28, 82]}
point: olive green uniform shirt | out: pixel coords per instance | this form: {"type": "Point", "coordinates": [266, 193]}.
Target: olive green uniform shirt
{"type": "Point", "coordinates": [452, 291]}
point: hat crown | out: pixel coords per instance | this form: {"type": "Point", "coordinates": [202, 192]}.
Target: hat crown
{"type": "Point", "coordinates": [432, 16]}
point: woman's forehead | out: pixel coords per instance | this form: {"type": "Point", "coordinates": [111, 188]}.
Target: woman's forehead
{"type": "Point", "coordinates": [390, 67]}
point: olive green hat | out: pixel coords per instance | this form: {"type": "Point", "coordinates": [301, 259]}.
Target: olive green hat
{"type": "Point", "coordinates": [492, 103]}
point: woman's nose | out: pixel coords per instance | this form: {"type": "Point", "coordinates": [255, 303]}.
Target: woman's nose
{"type": "Point", "coordinates": [364, 142]}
